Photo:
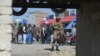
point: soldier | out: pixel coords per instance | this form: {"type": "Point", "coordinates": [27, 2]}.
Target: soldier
{"type": "Point", "coordinates": [57, 28]}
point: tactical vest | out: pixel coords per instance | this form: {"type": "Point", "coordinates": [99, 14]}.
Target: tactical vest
{"type": "Point", "coordinates": [57, 26]}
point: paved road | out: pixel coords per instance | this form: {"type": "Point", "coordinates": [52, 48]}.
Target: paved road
{"type": "Point", "coordinates": [40, 50]}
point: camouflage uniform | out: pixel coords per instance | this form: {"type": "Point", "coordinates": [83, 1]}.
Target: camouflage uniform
{"type": "Point", "coordinates": [56, 34]}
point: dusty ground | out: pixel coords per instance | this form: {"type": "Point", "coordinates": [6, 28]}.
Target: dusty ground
{"type": "Point", "coordinates": [41, 50]}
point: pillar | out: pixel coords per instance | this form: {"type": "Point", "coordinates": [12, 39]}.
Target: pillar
{"type": "Point", "coordinates": [5, 27]}
{"type": "Point", "coordinates": [88, 29]}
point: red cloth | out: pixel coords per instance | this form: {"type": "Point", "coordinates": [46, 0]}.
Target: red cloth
{"type": "Point", "coordinates": [72, 38]}
{"type": "Point", "coordinates": [65, 19]}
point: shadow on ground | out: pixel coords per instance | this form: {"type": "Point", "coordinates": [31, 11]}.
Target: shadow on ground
{"type": "Point", "coordinates": [50, 49]}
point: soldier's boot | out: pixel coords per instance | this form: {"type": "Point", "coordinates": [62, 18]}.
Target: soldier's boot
{"type": "Point", "coordinates": [52, 48]}
{"type": "Point", "coordinates": [57, 49]}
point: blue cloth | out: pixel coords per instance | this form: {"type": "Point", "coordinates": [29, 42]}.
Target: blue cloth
{"type": "Point", "coordinates": [20, 39]}
{"type": "Point", "coordinates": [73, 22]}
{"type": "Point", "coordinates": [24, 21]}
{"type": "Point", "coordinates": [50, 17]}
{"type": "Point", "coordinates": [29, 38]}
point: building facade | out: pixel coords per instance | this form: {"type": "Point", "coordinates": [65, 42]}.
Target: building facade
{"type": "Point", "coordinates": [68, 12]}
{"type": "Point", "coordinates": [38, 17]}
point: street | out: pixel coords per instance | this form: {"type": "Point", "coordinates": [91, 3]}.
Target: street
{"type": "Point", "coordinates": [41, 50]}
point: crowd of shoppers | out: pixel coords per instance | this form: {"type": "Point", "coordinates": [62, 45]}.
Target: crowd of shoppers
{"type": "Point", "coordinates": [27, 33]}
{"type": "Point", "coordinates": [21, 33]}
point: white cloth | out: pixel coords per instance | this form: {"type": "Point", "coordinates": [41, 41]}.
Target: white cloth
{"type": "Point", "coordinates": [73, 31]}
{"type": "Point", "coordinates": [51, 38]}
{"type": "Point", "coordinates": [24, 29]}
{"type": "Point", "coordinates": [43, 30]}
{"type": "Point", "coordinates": [24, 37]}
{"type": "Point", "coordinates": [67, 33]}
{"type": "Point", "coordinates": [34, 39]}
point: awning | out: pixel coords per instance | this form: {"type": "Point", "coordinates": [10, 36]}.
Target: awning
{"type": "Point", "coordinates": [72, 23]}
{"type": "Point", "coordinates": [65, 19]}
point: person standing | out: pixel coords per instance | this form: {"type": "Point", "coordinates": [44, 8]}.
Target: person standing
{"type": "Point", "coordinates": [43, 35]}
{"type": "Point", "coordinates": [29, 38]}
{"type": "Point", "coordinates": [73, 33]}
{"type": "Point", "coordinates": [38, 33]}
{"type": "Point", "coordinates": [14, 33]}
{"type": "Point", "coordinates": [20, 34]}
{"type": "Point", "coordinates": [57, 25]}
{"type": "Point", "coordinates": [34, 32]}
{"type": "Point", "coordinates": [24, 33]}
{"type": "Point", "coordinates": [48, 34]}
